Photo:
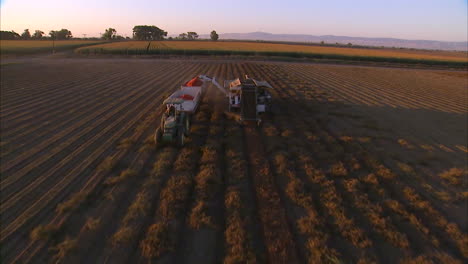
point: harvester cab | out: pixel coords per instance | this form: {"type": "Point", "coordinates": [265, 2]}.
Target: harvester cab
{"type": "Point", "coordinates": [174, 125]}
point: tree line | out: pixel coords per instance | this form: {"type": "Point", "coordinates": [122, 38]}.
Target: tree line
{"type": "Point", "coordinates": [140, 32]}
{"type": "Point", "coordinates": [38, 34]}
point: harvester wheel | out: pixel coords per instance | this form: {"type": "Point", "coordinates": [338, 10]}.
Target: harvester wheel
{"type": "Point", "coordinates": [180, 138]}
{"type": "Point", "coordinates": [158, 137]}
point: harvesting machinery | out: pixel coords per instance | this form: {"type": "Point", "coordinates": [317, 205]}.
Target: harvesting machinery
{"type": "Point", "coordinates": [175, 122]}
{"type": "Point", "coordinates": [249, 97]}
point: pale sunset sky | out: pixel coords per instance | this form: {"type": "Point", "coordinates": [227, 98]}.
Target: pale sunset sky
{"type": "Point", "coordinates": [444, 20]}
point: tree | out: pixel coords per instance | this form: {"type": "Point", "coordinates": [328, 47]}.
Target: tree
{"type": "Point", "coordinates": [4, 35]}
{"type": "Point", "coordinates": [192, 35]}
{"type": "Point", "coordinates": [109, 34]}
{"type": "Point", "coordinates": [61, 34]}
{"type": "Point", "coordinates": [53, 34]}
{"type": "Point", "coordinates": [214, 36]}
{"type": "Point", "coordinates": [37, 34]}
{"type": "Point", "coordinates": [148, 33]}
{"type": "Point", "coordinates": [183, 36]}
{"type": "Point", "coordinates": [26, 34]}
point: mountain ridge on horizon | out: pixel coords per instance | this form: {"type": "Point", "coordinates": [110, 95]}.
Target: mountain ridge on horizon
{"type": "Point", "coordinates": [361, 41]}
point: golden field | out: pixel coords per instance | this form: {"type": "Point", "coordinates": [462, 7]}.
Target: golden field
{"type": "Point", "coordinates": [272, 47]}
{"type": "Point", "coordinates": [32, 46]}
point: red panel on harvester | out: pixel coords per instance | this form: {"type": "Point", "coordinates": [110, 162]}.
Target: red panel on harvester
{"type": "Point", "coordinates": [194, 82]}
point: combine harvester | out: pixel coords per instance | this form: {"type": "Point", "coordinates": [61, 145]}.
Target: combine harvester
{"type": "Point", "coordinates": [248, 97]}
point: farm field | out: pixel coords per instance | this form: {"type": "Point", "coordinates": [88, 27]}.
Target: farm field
{"type": "Point", "coordinates": [36, 46]}
{"type": "Point", "coordinates": [273, 49]}
{"type": "Point", "coordinates": [354, 165]}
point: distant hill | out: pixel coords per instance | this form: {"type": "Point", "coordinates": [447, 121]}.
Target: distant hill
{"type": "Point", "coordinates": [330, 39]}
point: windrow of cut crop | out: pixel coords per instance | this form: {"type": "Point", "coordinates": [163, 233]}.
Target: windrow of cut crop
{"type": "Point", "coordinates": [316, 171]}
{"type": "Point", "coordinates": [97, 179]}
{"type": "Point", "coordinates": [428, 215]}
{"type": "Point", "coordinates": [337, 168]}
{"type": "Point", "coordinates": [371, 179]}
{"type": "Point", "coordinates": [121, 196]}
{"type": "Point", "coordinates": [240, 232]}
{"type": "Point", "coordinates": [117, 127]}
{"type": "Point", "coordinates": [205, 217]}
{"type": "Point", "coordinates": [309, 223]}
{"type": "Point", "coordinates": [123, 242]}
{"type": "Point", "coordinates": [72, 111]}
{"type": "Point", "coordinates": [279, 241]}
{"type": "Point", "coordinates": [162, 236]}
{"type": "Point", "coordinates": [75, 127]}
{"type": "Point", "coordinates": [301, 213]}
{"type": "Point", "coordinates": [243, 242]}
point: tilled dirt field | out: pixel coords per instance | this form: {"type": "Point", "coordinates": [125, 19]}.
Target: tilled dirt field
{"type": "Point", "coordinates": [354, 164]}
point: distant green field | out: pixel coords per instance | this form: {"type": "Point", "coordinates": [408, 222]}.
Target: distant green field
{"type": "Point", "coordinates": [38, 46]}
{"type": "Point", "coordinates": [238, 48]}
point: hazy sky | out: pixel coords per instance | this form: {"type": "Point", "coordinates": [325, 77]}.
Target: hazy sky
{"type": "Point", "coordinates": [408, 19]}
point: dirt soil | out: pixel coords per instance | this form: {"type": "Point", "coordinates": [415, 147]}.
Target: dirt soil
{"type": "Point", "coordinates": [354, 164]}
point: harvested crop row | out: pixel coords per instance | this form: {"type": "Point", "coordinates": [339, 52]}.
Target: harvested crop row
{"type": "Point", "coordinates": [277, 235]}
{"type": "Point", "coordinates": [331, 202]}
{"type": "Point", "coordinates": [163, 235]}
{"type": "Point", "coordinates": [72, 107]}
{"type": "Point", "coordinates": [135, 222]}
{"type": "Point", "coordinates": [240, 231]}
{"type": "Point", "coordinates": [139, 135]}
{"type": "Point", "coordinates": [37, 84]}
{"type": "Point", "coordinates": [123, 129]}
{"type": "Point", "coordinates": [309, 223]}
{"type": "Point", "coordinates": [386, 173]}
{"type": "Point", "coordinates": [204, 220]}
{"type": "Point", "coordinates": [45, 159]}
{"type": "Point", "coordinates": [345, 94]}
{"type": "Point", "coordinates": [398, 95]}
{"type": "Point", "coordinates": [76, 126]}
{"type": "Point", "coordinates": [110, 233]}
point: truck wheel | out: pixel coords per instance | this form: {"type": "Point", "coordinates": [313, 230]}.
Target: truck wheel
{"type": "Point", "coordinates": [187, 126]}
{"type": "Point", "coordinates": [161, 124]}
{"type": "Point", "coordinates": [158, 137]}
{"type": "Point", "coordinates": [180, 138]}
